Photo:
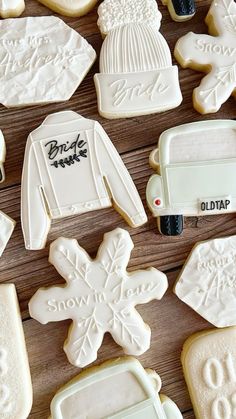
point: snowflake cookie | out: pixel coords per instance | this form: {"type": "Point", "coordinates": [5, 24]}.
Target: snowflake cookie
{"type": "Point", "coordinates": [180, 10]}
{"type": "Point", "coordinates": [15, 380]}
{"type": "Point", "coordinates": [11, 8]}
{"type": "Point", "coordinates": [136, 73]}
{"type": "Point", "coordinates": [214, 54]}
{"type": "Point", "coordinates": [72, 8]}
{"type": "Point", "coordinates": [100, 296]}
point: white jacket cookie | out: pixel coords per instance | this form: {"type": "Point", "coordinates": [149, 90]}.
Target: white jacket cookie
{"type": "Point", "coordinates": [136, 73]}
{"type": "Point", "coordinates": [71, 167]}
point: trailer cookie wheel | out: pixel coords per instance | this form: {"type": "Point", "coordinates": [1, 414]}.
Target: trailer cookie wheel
{"type": "Point", "coordinates": [171, 225]}
{"type": "Point", "coordinates": [180, 10]}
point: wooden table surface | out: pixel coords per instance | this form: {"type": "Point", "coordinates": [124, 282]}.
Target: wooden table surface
{"type": "Point", "coordinates": [171, 320]}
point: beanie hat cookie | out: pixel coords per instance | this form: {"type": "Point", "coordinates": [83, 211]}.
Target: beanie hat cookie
{"type": "Point", "coordinates": [136, 73]}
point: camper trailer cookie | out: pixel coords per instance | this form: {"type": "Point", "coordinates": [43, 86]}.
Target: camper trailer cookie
{"type": "Point", "coordinates": [15, 380]}
{"type": "Point", "coordinates": [207, 282]}
{"type": "Point", "coordinates": [11, 8]}
{"type": "Point", "coordinates": [195, 165]}
{"type": "Point", "coordinates": [42, 60]}
{"type": "Point", "coordinates": [209, 365]}
{"type": "Point", "coordinates": [136, 73]}
{"type": "Point", "coordinates": [72, 8]}
{"type": "Point", "coordinates": [100, 296]}
{"type": "Point", "coordinates": [64, 150]}
{"type": "Point", "coordinates": [120, 388]}
{"type": "Point", "coordinates": [214, 54]}
{"type": "Point", "coordinates": [180, 10]}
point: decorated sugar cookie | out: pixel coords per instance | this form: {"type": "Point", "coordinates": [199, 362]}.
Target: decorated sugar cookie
{"type": "Point", "coordinates": [99, 296]}
{"type": "Point", "coordinates": [136, 73]}
{"type": "Point", "coordinates": [207, 282]}
{"type": "Point", "coordinates": [209, 364]}
{"type": "Point", "coordinates": [15, 380]}
{"type": "Point", "coordinates": [119, 388]}
{"type": "Point", "coordinates": [180, 10]}
{"type": "Point", "coordinates": [71, 167]}
{"type": "Point", "coordinates": [215, 54]}
{"type": "Point", "coordinates": [11, 8]}
{"type": "Point", "coordinates": [42, 60]}
{"type": "Point", "coordinates": [6, 223]}
{"type": "Point", "coordinates": [70, 7]}
{"type": "Point", "coordinates": [195, 165]}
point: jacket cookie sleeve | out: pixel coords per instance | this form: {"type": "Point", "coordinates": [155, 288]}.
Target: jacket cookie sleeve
{"type": "Point", "coordinates": [122, 190]}
{"type": "Point", "coordinates": [35, 220]}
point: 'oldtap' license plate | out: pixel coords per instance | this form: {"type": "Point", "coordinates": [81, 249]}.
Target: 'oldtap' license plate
{"type": "Point", "coordinates": [215, 205]}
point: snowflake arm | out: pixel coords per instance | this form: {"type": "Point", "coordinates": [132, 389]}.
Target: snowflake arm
{"type": "Point", "coordinates": [69, 259]}
{"type": "Point", "coordinates": [214, 89]}
{"type": "Point", "coordinates": [144, 286]}
{"type": "Point", "coordinates": [44, 308]}
{"type": "Point", "coordinates": [129, 331]}
{"type": "Point", "coordinates": [188, 50]}
{"type": "Point", "coordinates": [84, 339]}
{"type": "Point", "coordinates": [114, 252]}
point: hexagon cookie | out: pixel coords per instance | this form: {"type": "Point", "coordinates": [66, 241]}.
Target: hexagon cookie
{"type": "Point", "coordinates": [42, 60]}
{"type": "Point", "coordinates": [207, 282]}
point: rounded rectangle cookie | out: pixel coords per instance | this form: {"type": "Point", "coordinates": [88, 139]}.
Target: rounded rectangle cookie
{"type": "Point", "coordinates": [15, 380]}
{"type": "Point", "coordinates": [209, 365]}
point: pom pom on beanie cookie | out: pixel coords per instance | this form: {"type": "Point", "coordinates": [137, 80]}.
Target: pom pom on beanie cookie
{"type": "Point", "coordinates": [115, 13]}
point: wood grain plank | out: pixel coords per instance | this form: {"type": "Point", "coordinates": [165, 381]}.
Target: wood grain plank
{"type": "Point", "coordinates": [171, 320]}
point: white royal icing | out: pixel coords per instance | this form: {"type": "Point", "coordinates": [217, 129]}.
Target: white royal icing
{"type": "Point", "coordinates": [207, 282]}
{"type": "Point", "coordinates": [15, 381]}
{"type": "Point", "coordinates": [209, 363]}
{"type": "Point", "coordinates": [136, 73]}
{"type": "Point", "coordinates": [118, 387]}
{"type": "Point", "coordinates": [64, 150]}
{"type": "Point", "coordinates": [6, 223]}
{"type": "Point", "coordinates": [42, 60]}
{"type": "Point", "coordinates": [100, 296]}
{"type": "Point", "coordinates": [186, 157]}
{"type": "Point", "coordinates": [216, 53]}
{"type": "Point", "coordinates": [11, 8]}
{"type": "Point", "coordinates": [70, 7]}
